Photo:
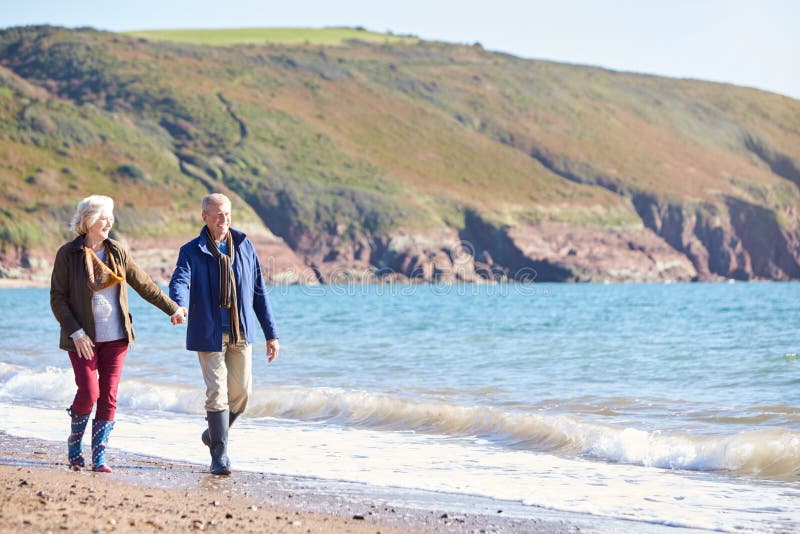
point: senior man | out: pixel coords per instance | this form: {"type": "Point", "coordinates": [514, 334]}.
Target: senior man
{"type": "Point", "coordinates": [218, 277]}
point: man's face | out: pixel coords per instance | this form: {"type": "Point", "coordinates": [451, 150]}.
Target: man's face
{"type": "Point", "coordinates": [218, 219]}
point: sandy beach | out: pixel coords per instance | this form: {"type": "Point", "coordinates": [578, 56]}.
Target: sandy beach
{"type": "Point", "coordinates": [146, 494]}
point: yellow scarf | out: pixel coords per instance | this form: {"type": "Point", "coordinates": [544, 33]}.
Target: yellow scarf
{"type": "Point", "coordinates": [101, 275]}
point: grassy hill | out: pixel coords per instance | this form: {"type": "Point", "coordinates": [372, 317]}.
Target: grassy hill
{"type": "Point", "coordinates": [360, 149]}
{"type": "Point", "coordinates": [260, 36]}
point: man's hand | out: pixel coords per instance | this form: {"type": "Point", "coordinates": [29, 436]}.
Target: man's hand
{"type": "Point", "coordinates": [179, 317]}
{"type": "Point", "coordinates": [273, 348]}
{"type": "Point", "coordinates": [84, 346]}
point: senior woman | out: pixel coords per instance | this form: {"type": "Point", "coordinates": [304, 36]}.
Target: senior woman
{"type": "Point", "coordinates": [89, 298]}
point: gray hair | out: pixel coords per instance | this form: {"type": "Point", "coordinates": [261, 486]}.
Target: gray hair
{"type": "Point", "coordinates": [88, 211]}
{"type": "Point", "coordinates": [215, 198]}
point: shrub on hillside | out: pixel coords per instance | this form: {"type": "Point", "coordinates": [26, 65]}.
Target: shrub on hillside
{"type": "Point", "coordinates": [132, 172]}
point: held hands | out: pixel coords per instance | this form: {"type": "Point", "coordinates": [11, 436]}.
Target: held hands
{"type": "Point", "coordinates": [179, 317]}
{"type": "Point", "coordinates": [273, 348]}
{"type": "Point", "coordinates": [84, 347]}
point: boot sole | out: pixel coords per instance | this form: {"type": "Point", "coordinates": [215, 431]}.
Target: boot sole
{"type": "Point", "coordinates": [221, 472]}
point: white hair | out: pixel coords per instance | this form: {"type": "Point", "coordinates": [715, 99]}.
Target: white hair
{"type": "Point", "coordinates": [215, 198]}
{"type": "Point", "coordinates": [88, 211]}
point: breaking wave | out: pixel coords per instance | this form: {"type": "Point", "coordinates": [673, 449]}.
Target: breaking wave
{"type": "Point", "coordinates": [770, 453]}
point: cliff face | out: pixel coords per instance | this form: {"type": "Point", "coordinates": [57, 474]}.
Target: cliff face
{"type": "Point", "coordinates": [737, 240]}
{"type": "Point", "coordinates": [409, 160]}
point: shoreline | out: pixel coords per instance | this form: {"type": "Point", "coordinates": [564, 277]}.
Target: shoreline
{"type": "Point", "coordinates": [146, 493]}
{"type": "Point", "coordinates": [24, 283]}
{"type": "Point", "coordinates": [19, 283]}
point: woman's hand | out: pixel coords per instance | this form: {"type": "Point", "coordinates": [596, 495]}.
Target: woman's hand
{"type": "Point", "coordinates": [84, 347]}
{"type": "Point", "coordinates": [179, 317]}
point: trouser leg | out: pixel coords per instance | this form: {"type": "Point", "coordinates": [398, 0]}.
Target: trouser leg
{"type": "Point", "coordinates": [228, 378]}
{"type": "Point", "coordinates": [239, 361]}
{"type": "Point", "coordinates": [85, 372]}
{"type": "Point", "coordinates": [110, 361]}
{"type": "Point", "coordinates": [215, 375]}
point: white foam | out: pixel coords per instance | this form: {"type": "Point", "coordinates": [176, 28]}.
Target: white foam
{"type": "Point", "coordinates": [50, 384]}
{"type": "Point", "coordinates": [56, 386]}
{"type": "Point", "coordinates": [766, 452]}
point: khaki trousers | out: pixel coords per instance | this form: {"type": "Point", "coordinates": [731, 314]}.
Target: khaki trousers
{"type": "Point", "coordinates": [228, 376]}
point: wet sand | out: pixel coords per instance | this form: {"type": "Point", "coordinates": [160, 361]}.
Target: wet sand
{"type": "Point", "coordinates": [149, 494]}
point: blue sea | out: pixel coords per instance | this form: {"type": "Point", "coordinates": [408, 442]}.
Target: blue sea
{"type": "Point", "coordinates": [669, 404]}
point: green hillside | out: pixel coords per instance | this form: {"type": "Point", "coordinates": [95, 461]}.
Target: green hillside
{"type": "Point", "coordinates": [260, 36]}
{"type": "Point", "coordinates": [341, 146]}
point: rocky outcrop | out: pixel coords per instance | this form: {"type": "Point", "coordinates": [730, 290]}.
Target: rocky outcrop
{"type": "Point", "coordinates": [545, 252]}
{"type": "Point", "coordinates": [737, 240]}
{"type": "Point", "coordinates": [499, 255]}
{"type": "Point", "coordinates": [677, 243]}
{"type": "Point", "coordinates": [770, 251]}
{"type": "Point", "coordinates": [591, 254]}
{"type": "Point", "coordinates": [434, 256]}
{"type": "Point", "coordinates": [21, 263]}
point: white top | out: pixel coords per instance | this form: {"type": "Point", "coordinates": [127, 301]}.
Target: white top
{"type": "Point", "coordinates": [108, 323]}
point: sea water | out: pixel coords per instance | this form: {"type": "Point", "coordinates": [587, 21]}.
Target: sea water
{"type": "Point", "coordinates": [673, 404]}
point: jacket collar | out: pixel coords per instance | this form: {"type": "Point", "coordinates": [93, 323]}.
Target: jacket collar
{"type": "Point", "coordinates": [77, 244]}
{"type": "Point", "coordinates": [238, 237]}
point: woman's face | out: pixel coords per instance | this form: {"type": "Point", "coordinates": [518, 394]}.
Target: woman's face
{"type": "Point", "coordinates": [101, 227]}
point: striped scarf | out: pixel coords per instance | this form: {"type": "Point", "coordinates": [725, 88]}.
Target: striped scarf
{"type": "Point", "coordinates": [227, 283]}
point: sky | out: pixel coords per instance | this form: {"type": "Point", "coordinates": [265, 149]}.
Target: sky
{"type": "Point", "coordinates": [754, 43]}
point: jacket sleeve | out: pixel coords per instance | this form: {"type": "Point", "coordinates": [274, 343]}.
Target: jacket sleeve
{"type": "Point", "coordinates": [60, 293]}
{"type": "Point", "coordinates": [261, 302]}
{"type": "Point", "coordinates": [180, 283]}
{"type": "Point", "coordinates": [144, 285]}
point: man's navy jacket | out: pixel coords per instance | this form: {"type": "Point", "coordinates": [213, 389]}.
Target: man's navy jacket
{"type": "Point", "coordinates": [195, 285]}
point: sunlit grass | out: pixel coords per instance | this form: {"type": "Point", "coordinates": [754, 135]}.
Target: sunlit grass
{"type": "Point", "coordinates": [285, 36]}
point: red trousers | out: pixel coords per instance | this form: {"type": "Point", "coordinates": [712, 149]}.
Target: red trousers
{"type": "Point", "coordinates": [98, 379]}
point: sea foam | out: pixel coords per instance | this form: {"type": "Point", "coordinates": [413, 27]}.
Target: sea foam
{"type": "Point", "coordinates": [771, 452]}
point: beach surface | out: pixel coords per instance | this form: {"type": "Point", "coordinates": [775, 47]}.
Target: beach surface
{"type": "Point", "coordinates": [148, 494]}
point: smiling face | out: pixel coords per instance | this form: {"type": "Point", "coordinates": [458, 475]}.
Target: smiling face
{"type": "Point", "coordinates": [102, 226]}
{"type": "Point", "coordinates": [218, 219]}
